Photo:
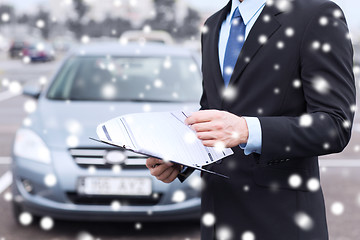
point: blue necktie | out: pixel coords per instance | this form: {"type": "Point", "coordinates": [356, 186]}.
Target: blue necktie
{"type": "Point", "coordinates": [234, 45]}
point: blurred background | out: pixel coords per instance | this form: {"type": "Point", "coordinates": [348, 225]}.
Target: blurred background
{"type": "Point", "coordinates": [68, 65]}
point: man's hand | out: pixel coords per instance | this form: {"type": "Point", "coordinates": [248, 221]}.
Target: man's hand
{"type": "Point", "coordinates": [163, 171]}
{"type": "Point", "coordinates": [219, 128]}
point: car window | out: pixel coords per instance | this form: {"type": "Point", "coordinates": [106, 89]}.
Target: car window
{"type": "Point", "coordinates": [128, 79]}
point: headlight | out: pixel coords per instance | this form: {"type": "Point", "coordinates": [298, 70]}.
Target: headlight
{"type": "Point", "coordinates": [29, 145]}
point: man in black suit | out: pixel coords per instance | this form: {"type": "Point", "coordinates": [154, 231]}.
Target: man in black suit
{"type": "Point", "coordinates": [292, 80]}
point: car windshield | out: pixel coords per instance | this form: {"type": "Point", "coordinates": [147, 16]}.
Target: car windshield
{"type": "Point", "coordinates": [163, 79]}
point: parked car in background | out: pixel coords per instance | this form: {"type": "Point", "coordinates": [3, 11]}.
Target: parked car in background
{"type": "Point", "coordinates": [54, 160]}
{"type": "Point", "coordinates": [16, 48]}
{"type": "Point", "coordinates": [38, 52]}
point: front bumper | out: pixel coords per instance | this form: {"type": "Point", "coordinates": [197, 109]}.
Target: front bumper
{"type": "Point", "coordinates": [53, 201]}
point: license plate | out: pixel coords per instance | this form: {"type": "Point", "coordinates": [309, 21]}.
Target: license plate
{"type": "Point", "coordinates": [126, 186]}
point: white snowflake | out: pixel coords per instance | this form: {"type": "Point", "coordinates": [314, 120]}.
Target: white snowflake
{"type": "Point", "coordinates": [204, 29]}
{"type": "Point", "coordinates": [229, 70]}
{"type": "Point", "coordinates": [337, 13]}
{"type": "Point", "coordinates": [277, 91]}
{"type": "Point", "coordinates": [224, 233]}
{"type": "Point", "coordinates": [306, 120]}
{"type": "Point", "coordinates": [289, 32]}
{"type": "Point", "coordinates": [5, 17]}
{"type": "Point", "coordinates": [8, 196]}
{"type": "Point", "coordinates": [229, 93]}
{"type": "Point", "coordinates": [50, 180]}
{"type": "Point", "coordinates": [266, 18]}
{"type": "Point", "coordinates": [280, 44]}
{"type": "Point", "coordinates": [26, 59]}
{"type": "Point", "coordinates": [296, 83]}
{"type": "Point", "coordinates": [263, 39]}
{"type": "Point", "coordinates": [40, 23]}
{"type": "Point", "coordinates": [295, 180]}
{"type": "Point", "coordinates": [276, 67]}
{"type": "Point", "coordinates": [117, 3]}
{"type": "Point", "coordinates": [219, 146]}
{"type": "Point", "coordinates": [158, 83]}
{"type": "Point", "coordinates": [123, 41]}
{"type": "Point", "coordinates": [85, 39]}
{"type": "Point", "coordinates": [46, 223]}
{"type": "Point", "coordinates": [337, 208]}
{"type": "Point", "coordinates": [91, 169]}
{"type": "Point", "coordinates": [313, 184]}
{"type": "Point", "coordinates": [167, 63]}
{"type": "Point", "coordinates": [116, 168]}
{"type": "Point", "coordinates": [208, 219]}
{"type": "Point", "coordinates": [356, 70]}
{"type": "Point", "coordinates": [196, 183]}
{"type": "Point", "coordinates": [326, 146]}
{"type": "Point", "coordinates": [357, 148]}
{"type": "Point", "coordinates": [190, 137]}
{"type": "Point", "coordinates": [287, 148]}
{"type": "Point", "coordinates": [193, 68]}
{"type": "Point", "coordinates": [248, 235]}
{"type": "Point", "coordinates": [72, 141]}
{"type": "Point", "coordinates": [346, 124]}
{"type": "Point", "coordinates": [246, 188]}
{"type": "Point", "coordinates": [316, 45]}
{"type": "Point", "coordinates": [260, 111]}
{"type": "Point", "coordinates": [43, 80]}
{"type": "Point", "coordinates": [73, 126]}
{"type": "Point", "coordinates": [321, 85]}
{"type": "Point", "coordinates": [147, 29]}
{"type": "Point", "coordinates": [25, 219]}
{"type": "Point", "coordinates": [284, 5]}
{"type": "Point", "coordinates": [323, 21]}
{"type": "Point", "coordinates": [138, 226]}
{"type": "Point", "coordinates": [27, 122]}
{"type": "Point", "coordinates": [178, 196]}
{"type": "Point", "coordinates": [115, 205]}
{"type": "Point", "coordinates": [30, 106]}
{"type": "Point", "coordinates": [304, 221]}
{"type": "Point", "coordinates": [147, 108]}
{"type": "Point", "coordinates": [84, 236]}
{"type": "Point", "coordinates": [326, 47]}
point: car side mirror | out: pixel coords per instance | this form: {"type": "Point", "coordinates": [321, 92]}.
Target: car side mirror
{"type": "Point", "coordinates": [32, 90]}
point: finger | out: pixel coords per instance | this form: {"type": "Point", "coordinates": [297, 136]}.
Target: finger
{"type": "Point", "coordinates": [172, 176]}
{"type": "Point", "coordinates": [202, 127]}
{"type": "Point", "coordinates": [209, 143]}
{"type": "Point", "coordinates": [206, 136]}
{"type": "Point", "coordinates": [165, 174]}
{"type": "Point", "coordinates": [201, 116]}
{"type": "Point", "coordinates": [157, 171]}
{"type": "Point", "coordinates": [151, 162]}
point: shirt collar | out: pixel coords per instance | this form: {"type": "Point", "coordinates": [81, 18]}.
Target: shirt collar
{"type": "Point", "coordinates": [247, 8]}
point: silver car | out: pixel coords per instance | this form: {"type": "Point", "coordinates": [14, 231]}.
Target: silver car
{"type": "Point", "coordinates": [59, 172]}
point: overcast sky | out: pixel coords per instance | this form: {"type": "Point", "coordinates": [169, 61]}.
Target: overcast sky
{"type": "Point", "coordinates": [350, 7]}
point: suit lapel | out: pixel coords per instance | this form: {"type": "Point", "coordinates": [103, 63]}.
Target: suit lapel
{"type": "Point", "coordinates": [253, 43]}
{"type": "Point", "coordinates": [214, 58]}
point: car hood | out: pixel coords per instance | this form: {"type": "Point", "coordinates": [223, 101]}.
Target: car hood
{"type": "Point", "coordinates": [61, 123]}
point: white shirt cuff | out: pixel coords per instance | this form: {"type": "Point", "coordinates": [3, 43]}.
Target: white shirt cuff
{"type": "Point", "coordinates": [253, 144]}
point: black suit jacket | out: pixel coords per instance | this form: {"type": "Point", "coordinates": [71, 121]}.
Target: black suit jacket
{"type": "Point", "coordinates": [310, 73]}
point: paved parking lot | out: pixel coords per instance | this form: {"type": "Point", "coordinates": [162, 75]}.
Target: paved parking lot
{"type": "Point", "coordinates": [340, 177]}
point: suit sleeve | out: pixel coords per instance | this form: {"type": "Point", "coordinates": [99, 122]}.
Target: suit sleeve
{"type": "Point", "coordinates": [329, 88]}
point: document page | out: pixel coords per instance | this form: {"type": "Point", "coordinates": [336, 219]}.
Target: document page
{"type": "Point", "coordinates": [162, 134]}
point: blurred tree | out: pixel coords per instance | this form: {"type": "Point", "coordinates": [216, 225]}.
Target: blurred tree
{"type": "Point", "coordinates": [43, 22]}
{"type": "Point", "coordinates": [165, 16]}
{"type": "Point", "coordinates": [7, 14]}
{"type": "Point", "coordinates": [190, 26]}
{"type": "Point", "coordinates": [76, 25]}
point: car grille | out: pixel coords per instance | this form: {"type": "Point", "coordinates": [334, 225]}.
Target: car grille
{"type": "Point", "coordinates": [107, 200]}
{"type": "Point", "coordinates": [85, 157]}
